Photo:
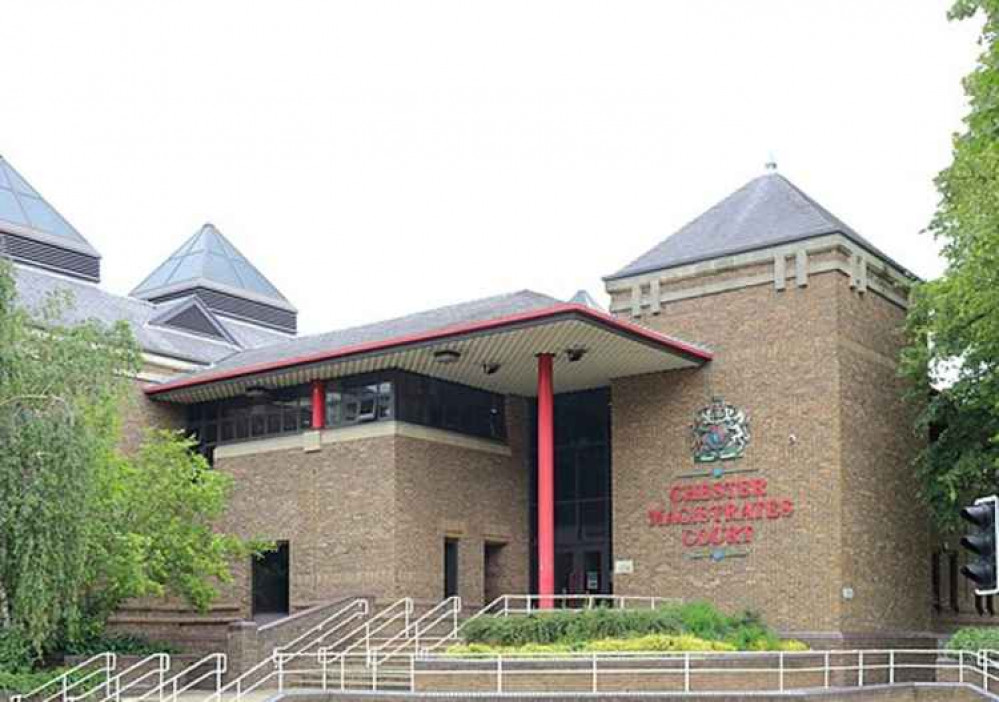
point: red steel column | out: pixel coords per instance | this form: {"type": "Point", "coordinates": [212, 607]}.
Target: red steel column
{"type": "Point", "coordinates": [318, 404]}
{"type": "Point", "coordinates": [546, 480]}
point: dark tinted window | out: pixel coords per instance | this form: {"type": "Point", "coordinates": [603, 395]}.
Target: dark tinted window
{"type": "Point", "coordinates": [239, 418]}
{"type": "Point", "coordinates": [451, 406]}
{"type": "Point", "coordinates": [358, 400]}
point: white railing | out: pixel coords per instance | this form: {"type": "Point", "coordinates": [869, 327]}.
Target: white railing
{"type": "Point", "coordinates": [301, 664]}
{"type": "Point", "coordinates": [716, 671]}
{"type": "Point", "coordinates": [534, 604]}
{"type": "Point", "coordinates": [689, 672]}
{"type": "Point", "coordinates": [212, 666]}
{"type": "Point", "coordinates": [353, 610]}
{"type": "Point", "coordinates": [152, 667]}
{"type": "Point", "coordinates": [400, 609]}
{"type": "Point", "coordinates": [245, 683]}
{"type": "Point", "coordinates": [446, 611]}
{"type": "Point", "coordinates": [74, 679]}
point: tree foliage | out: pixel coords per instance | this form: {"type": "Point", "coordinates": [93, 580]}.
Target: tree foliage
{"type": "Point", "coordinates": [82, 526]}
{"type": "Point", "coordinates": [954, 320]}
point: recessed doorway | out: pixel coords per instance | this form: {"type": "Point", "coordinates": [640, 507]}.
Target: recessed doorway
{"type": "Point", "coordinates": [271, 586]}
{"type": "Point", "coordinates": [450, 567]}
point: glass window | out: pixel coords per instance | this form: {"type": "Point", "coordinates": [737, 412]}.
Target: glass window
{"type": "Point", "coordinates": [358, 400]}
{"type": "Point", "coordinates": [219, 268]}
{"type": "Point", "coordinates": [241, 418]}
{"type": "Point", "coordinates": [19, 183]}
{"type": "Point", "coordinates": [451, 406]}
{"type": "Point", "coordinates": [9, 209]}
{"type": "Point", "coordinates": [594, 519]}
{"type": "Point", "coordinates": [45, 218]}
{"type": "Point", "coordinates": [592, 463]}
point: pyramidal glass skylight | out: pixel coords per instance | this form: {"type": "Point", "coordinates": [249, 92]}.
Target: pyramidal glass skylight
{"type": "Point", "coordinates": [208, 259]}
{"type": "Point", "coordinates": [22, 206]}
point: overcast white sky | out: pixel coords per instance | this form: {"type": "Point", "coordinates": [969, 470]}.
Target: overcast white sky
{"type": "Point", "coordinates": [378, 158]}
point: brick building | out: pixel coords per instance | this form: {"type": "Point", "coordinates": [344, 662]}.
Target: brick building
{"type": "Point", "coordinates": [732, 429]}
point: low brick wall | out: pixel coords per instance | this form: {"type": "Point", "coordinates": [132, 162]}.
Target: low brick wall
{"type": "Point", "coordinates": [619, 675]}
{"type": "Point", "coordinates": [948, 672]}
{"type": "Point", "coordinates": [190, 631]}
{"type": "Point", "coordinates": [908, 692]}
{"type": "Point", "coordinates": [710, 673]}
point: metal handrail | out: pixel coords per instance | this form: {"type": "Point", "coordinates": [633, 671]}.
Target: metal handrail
{"type": "Point", "coordinates": [237, 684]}
{"type": "Point", "coordinates": [485, 611]}
{"type": "Point", "coordinates": [174, 686]}
{"type": "Point", "coordinates": [533, 603]}
{"type": "Point", "coordinates": [109, 661]}
{"type": "Point", "coordinates": [450, 607]}
{"type": "Point", "coordinates": [782, 668]}
{"type": "Point", "coordinates": [374, 625]}
{"type": "Point", "coordinates": [114, 688]}
{"type": "Point", "coordinates": [454, 611]}
{"type": "Point", "coordinates": [358, 603]}
{"type": "Point", "coordinates": [575, 664]}
{"type": "Point", "coordinates": [276, 661]}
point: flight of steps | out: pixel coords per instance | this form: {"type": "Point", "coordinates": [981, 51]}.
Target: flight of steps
{"type": "Point", "coordinates": [391, 646]}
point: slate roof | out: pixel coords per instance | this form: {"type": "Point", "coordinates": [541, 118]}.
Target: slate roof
{"type": "Point", "coordinates": [24, 211]}
{"type": "Point", "coordinates": [90, 302]}
{"type": "Point", "coordinates": [766, 211]}
{"type": "Point", "coordinates": [210, 260]}
{"type": "Point", "coordinates": [421, 322]}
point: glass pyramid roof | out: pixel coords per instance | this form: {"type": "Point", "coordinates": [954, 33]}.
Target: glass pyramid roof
{"type": "Point", "coordinates": [208, 260]}
{"type": "Point", "coordinates": [32, 216]}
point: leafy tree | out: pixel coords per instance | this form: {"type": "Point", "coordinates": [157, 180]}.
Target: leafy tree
{"type": "Point", "coordinates": [955, 319]}
{"type": "Point", "coordinates": [156, 536]}
{"type": "Point", "coordinates": [82, 526]}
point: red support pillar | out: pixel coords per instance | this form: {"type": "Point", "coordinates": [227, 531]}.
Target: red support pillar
{"type": "Point", "coordinates": [546, 480]}
{"type": "Point", "coordinates": [318, 404]}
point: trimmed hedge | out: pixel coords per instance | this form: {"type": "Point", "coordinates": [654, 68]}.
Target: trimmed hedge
{"type": "Point", "coordinates": [573, 628]}
{"type": "Point", "coordinates": [640, 644]}
{"type": "Point", "coordinates": [974, 638]}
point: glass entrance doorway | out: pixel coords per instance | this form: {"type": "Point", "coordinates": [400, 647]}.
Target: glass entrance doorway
{"type": "Point", "coordinates": [582, 494]}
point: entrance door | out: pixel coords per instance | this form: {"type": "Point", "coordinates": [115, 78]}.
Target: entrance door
{"type": "Point", "coordinates": [580, 571]}
{"type": "Point", "coordinates": [450, 567]}
{"type": "Point", "coordinates": [582, 495]}
{"type": "Point", "coordinates": [492, 568]}
{"type": "Point", "coordinates": [270, 581]}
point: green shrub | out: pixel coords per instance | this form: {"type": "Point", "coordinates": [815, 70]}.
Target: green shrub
{"type": "Point", "coordinates": [486, 649]}
{"type": "Point", "coordinates": [792, 645]}
{"type": "Point", "coordinates": [637, 644]}
{"type": "Point", "coordinates": [658, 642]}
{"type": "Point", "coordinates": [974, 638]}
{"type": "Point", "coordinates": [572, 626]}
{"type": "Point", "coordinates": [123, 644]}
{"type": "Point", "coordinates": [744, 631]}
{"type": "Point", "coordinates": [16, 653]}
{"type": "Point", "coordinates": [22, 682]}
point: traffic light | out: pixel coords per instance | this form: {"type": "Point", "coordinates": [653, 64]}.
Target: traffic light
{"type": "Point", "coordinates": [982, 542]}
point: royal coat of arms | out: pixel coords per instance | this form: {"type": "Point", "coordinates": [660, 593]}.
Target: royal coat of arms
{"type": "Point", "coordinates": [720, 433]}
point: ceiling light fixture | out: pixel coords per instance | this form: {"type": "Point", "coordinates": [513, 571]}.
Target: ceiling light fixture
{"type": "Point", "coordinates": [257, 391]}
{"type": "Point", "coordinates": [489, 368]}
{"type": "Point", "coordinates": [575, 354]}
{"type": "Point", "coordinates": [447, 356]}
